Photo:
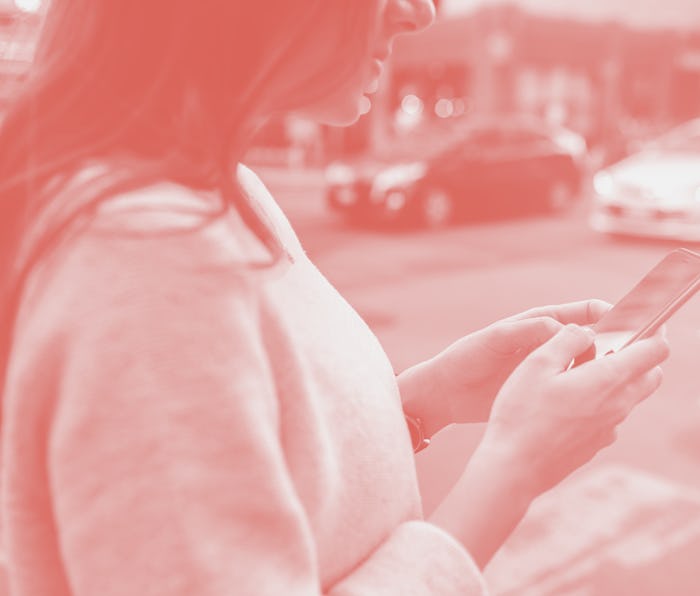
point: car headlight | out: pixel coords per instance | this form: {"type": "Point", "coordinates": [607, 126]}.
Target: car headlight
{"type": "Point", "coordinates": [395, 200]}
{"type": "Point", "coordinates": [28, 5]}
{"type": "Point", "coordinates": [572, 143]}
{"type": "Point", "coordinates": [397, 177]}
{"type": "Point", "coordinates": [340, 174]}
{"type": "Point", "coordinates": [604, 185]}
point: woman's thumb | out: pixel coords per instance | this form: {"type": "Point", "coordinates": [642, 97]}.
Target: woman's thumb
{"type": "Point", "coordinates": [569, 342]}
{"type": "Point", "coordinates": [531, 333]}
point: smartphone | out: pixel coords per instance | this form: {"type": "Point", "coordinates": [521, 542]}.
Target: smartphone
{"type": "Point", "coordinates": [648, 305]}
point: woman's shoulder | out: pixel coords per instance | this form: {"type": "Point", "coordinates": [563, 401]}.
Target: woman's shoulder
{"type": "Point", "coordinates": [167, 223]}
{"type": "Point", "coordinates": [151, 240]}
{"type": "Point", "coordinates": [138, 246]}
{"type": "Point", "coordinates": [170, 211]}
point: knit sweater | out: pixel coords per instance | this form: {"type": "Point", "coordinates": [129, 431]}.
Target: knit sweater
{"type": "Point", "coordinates": [176, 423]}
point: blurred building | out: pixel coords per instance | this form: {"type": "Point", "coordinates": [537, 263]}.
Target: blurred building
{"type": "Point", "coordinates": [606, 79]}
{"type": "Point", "coordinates": [19, 25]}
{"type": "Point", "coordinates": [603, 79]}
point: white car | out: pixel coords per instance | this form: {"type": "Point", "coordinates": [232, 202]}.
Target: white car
{"type": "Point", "coordinates": [655, 192]}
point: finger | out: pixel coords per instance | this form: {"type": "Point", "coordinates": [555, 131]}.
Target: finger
{"type": "Point", "coordinates": [558, 352]}
{"type": "Point", "coordinates": [608, 438]}
{"type": "Point", "coordinates": [620, 368]}
{"type": "Point", "coordinates": [509, 337]}
{"type": "Point", "coordinates": [601, 440]}
{"type": "Point", "coordinates": [584, 312]}
{"type": "Point", "coordinates": [636, 391]}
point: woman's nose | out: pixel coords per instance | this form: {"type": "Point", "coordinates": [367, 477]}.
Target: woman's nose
{"type": "Point", "coordinates": [411, 15]}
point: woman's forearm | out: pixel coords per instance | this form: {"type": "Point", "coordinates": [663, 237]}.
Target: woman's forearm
{"type": "Point", "coordinates": [494, 491]}
{"type": "Point", "coordinates": [486, 504]}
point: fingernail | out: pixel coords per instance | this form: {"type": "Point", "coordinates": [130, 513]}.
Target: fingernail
{"type": "Point", "coordinates": [587, 330]}
{"type": "Point", "coordinates": [578, 329]}
{"type": "Point", "coordinates": [660, 339]}
{"type": "Point", "coordinates": [658, 376]}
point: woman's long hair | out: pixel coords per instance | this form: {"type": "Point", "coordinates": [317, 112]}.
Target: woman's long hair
{"type": "Point", "coordinates": [170, 87]}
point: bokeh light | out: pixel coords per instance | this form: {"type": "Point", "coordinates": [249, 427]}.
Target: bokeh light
{"type": "Point", "coordinates": [28, 5]}
{"type": "Point", "coordinates": [444, 108]}
{"type": "Point", "coordinates": [412, 104]}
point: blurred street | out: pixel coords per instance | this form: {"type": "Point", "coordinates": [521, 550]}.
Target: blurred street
{"type": "Point", "coordinates": [571, 123]}
{"type": "Point", "coordinates": [628, 523]}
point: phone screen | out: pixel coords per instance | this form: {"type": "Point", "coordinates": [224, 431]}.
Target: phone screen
{"type": "Point", "coordinates": [662, 290]}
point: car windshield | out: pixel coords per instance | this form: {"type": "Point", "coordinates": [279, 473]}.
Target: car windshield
{"type": "Point", "coordinates": [420, 146]}
{"type": "Point", "coordinates": [433, 143]}
{"type": "Point", "coordinates": [683, 138]}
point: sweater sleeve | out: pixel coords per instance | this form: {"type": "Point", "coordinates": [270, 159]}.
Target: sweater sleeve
{"type": "Point", "coordinates": [166, 468]}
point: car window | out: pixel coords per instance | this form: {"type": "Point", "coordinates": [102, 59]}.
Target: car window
{"type": "Point", "coordinates": [523, 136]}
{"type": "Point", "coordinates": [486, 138]}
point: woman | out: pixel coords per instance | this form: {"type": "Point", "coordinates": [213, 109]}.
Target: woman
{"type": "Point", "coordinates": [188, 406]}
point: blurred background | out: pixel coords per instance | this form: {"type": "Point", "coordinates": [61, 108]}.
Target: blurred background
{"type": "Point", "coordinates": [516, 154]}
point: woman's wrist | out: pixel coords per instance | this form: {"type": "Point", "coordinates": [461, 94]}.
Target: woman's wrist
{"type": "Point", "coordinates": [422, 399]}
{"type": "Point", "coordinates": [509, 465]}
{"type": "Point", "coordinates": [487, 502]}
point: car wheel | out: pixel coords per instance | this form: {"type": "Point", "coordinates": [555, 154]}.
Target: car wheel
{"type": "Point", "coordinates": [560, 196]}
{"type": "Point", "coordinates": [437, 208]}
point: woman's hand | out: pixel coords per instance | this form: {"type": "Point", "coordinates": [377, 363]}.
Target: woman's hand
{"type": "Point", "coordinates": [551, 420]}
{"type": "Point", "coordinates": [545, 423]}
{"type": "Point", "coordinates": [460, 384]}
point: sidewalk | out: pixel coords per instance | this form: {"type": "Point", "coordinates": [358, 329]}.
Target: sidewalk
{"type": "Point", "coordinates": [289, 178]}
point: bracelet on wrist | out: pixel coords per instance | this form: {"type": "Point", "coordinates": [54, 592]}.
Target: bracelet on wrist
{"type": "Point", "coordinates": [418, 438]}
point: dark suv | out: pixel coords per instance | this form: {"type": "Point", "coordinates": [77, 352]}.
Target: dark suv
{"type": "Point", "coordinates": [489, 169]}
